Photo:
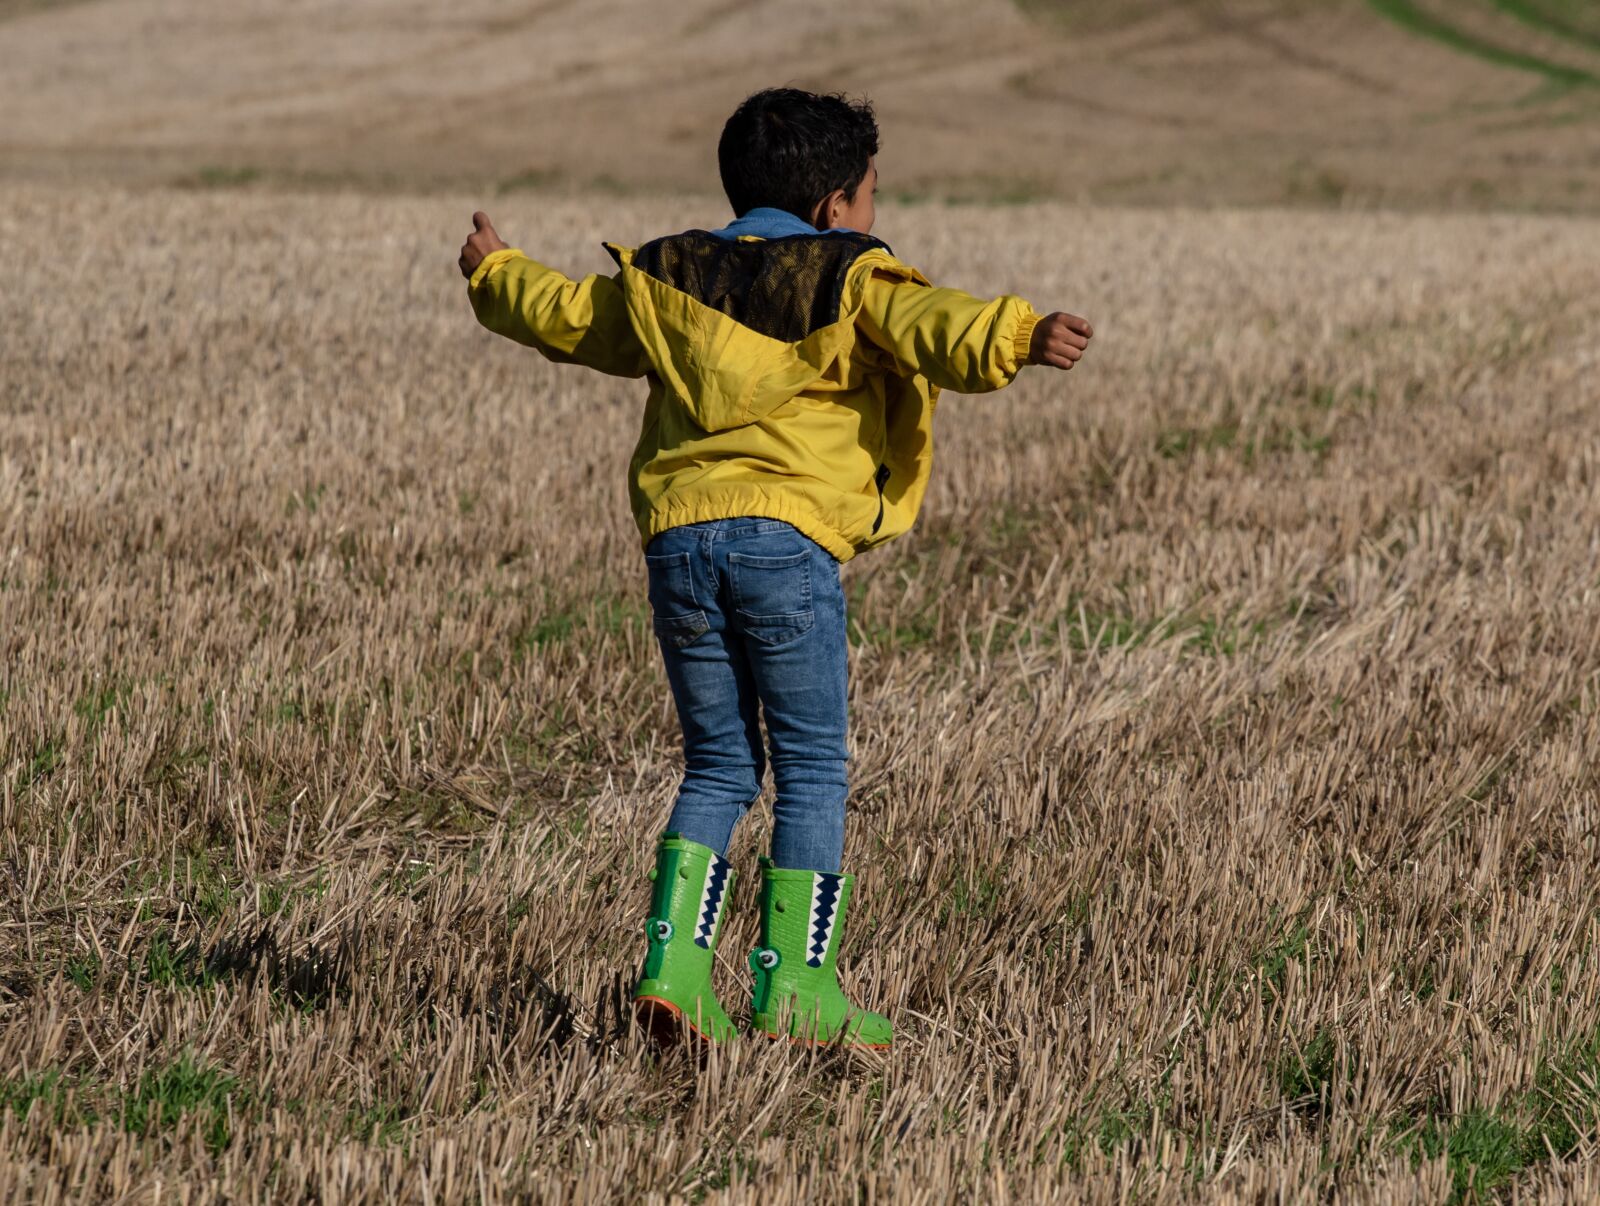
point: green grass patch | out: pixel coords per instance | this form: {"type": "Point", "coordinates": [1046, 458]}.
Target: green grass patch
{"type": "Point", "coordinates": [1413, 17]}
{"type": "Point", "coordinates": [168, 964]}
{"type": "Point", "coordinates": [1485, 1148]}
{"type": "Point", "coordinates": [907, 196]}
{"type": "Point", "coordinates": [1009, 526]}
{"type": "Point", "coordinates": [1106, 1128]}
{"type": "Point", "coordinates": [541, 748]}
{"type": "Point", "coordinates": [185, 1087]}
{"type": "Point", "coordinates": [177, 767]}
{"type": "Point", "coordinates": [220, 176]}
{"type": "Point", "coordinates": [21, 8]}
{"type": "Point", "coordinates": [906, 631]}
{"type": "Point", "coordinates": [94, 707]}
{"type": "Point", "coordinates": [1087, 629]}
{"type": "Point", "coordinates": [529, 180]}
{"type": "Point", "coordinates": [1307, 1073]}
{"type": "Point", "coordinates": [1482, 1149]}
{"type": "Point", "coordinates": [153, 1105]}
{"type": "Point", "coordinates": [976, 190]}
{"type": "Point", "coordinates": [1419, 976]}
{"type": "Point", "coordinates": [1575, 20]}
{"type": "Point", "coordinates": [163, 1095]}
{"type": "Point", "coordinates": [83, 971]}
{"type": "Point", "coordinates": [1212, 636]}
{"type": "Point", "coordinates": [381, 1125]}
{"type": "Point", "coordinates": [1174, 443]}
{"type": "Point", "coordinates": [1000, 191]}
{"type": "Point", "coordinates": [1289, 942]}
{"type": "Point", "coordinates": [610, 615]}
{"type": "Point", "coordinates": [716, 1175]}
{"type": "Point", "coordinates": [47, 756]}
{"type": "Point", "coordinates": [1290, 946]}
{"type": "Point", "coordinates": [288, 710]}
{"type": "Point", "coordinates": [1319, 185]}
{"type": "Point", "coordinates": [280, 896]}
{"type": "Point", "coordinates": [307, 500]}
{"type": "Point", "coordinates": [1205, 634]}
{"type": "Point", "coordinates": [973, 896]}
{"type": "Point", "coordinates": [49, 1091]}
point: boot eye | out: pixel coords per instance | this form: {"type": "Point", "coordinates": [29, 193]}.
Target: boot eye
{"type": "Point", "coordinates": [661, 930]}
{"type": "Point", "coordinates": [777, 906]}
{"type": "Point", "coordinates": [768, 959]}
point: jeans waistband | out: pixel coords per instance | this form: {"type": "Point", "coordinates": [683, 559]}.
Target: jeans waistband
{"type": "Point", "coordinates": [752, 525]}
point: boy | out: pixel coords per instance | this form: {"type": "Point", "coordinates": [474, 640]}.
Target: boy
{"type": "Point", "coordinates": [793, 366]}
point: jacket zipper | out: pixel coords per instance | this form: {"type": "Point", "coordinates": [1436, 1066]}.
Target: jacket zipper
{"type": "Point", "coordinates": [880, 479]}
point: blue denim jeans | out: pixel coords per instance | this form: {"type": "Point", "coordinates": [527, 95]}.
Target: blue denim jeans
{"type": "Point", "coordinates": [750, 617]}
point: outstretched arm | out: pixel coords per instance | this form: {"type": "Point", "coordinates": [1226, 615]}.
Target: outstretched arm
{"type": "Point", "coordinates": [964, 343]}
{"type": "Point", "coordinates": [571, 322]}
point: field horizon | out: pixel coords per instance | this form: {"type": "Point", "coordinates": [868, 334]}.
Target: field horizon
{"type": "Point", "coordinates": [1469, 105]}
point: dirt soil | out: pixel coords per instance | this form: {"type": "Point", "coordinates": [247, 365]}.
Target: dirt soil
{"type": "Point", "coordinates": [1276, 101]}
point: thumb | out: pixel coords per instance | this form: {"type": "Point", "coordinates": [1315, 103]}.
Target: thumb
{"type": "Point", "coordinates": [480, 221]}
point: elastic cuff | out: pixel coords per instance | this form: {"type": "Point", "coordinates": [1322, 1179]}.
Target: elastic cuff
{"type": "Point", "coordinates": [492, 261]}
{"type": "Point", "coordinates": [1022, 345]}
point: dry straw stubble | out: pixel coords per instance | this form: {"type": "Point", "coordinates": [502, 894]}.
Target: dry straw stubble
{"type": "Point", "coordinates": [1225, 806]}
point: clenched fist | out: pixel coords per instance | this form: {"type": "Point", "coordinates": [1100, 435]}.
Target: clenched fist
{"type": "Point", "coordinates": [480, 243]}
{"type": "Point", "coordinates": [1059, 340]}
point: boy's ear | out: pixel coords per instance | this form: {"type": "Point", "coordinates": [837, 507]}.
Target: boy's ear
{"type": "Point", "coordinates": [822, 215]}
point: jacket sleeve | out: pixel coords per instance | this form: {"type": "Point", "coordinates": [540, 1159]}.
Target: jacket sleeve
{"type": "Point", "coordinates": [571, 322]}
{"type": "Point", "coordinates": [957, 341]}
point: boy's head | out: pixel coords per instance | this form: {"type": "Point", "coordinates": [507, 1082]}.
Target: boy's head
{"type": "Point", "coordinates": [799, 151]}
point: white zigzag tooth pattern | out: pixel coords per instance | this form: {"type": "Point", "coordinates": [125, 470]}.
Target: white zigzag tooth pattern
{"type": "Point", "coordinates": [824, 911]}
{"type": "Point", "coordinates": [713, 893]}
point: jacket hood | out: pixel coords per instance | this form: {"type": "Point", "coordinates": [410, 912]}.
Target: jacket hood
{"type": "Point", "coordinates": [736, 328]}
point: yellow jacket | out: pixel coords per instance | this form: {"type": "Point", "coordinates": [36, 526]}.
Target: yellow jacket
{"type": "Point", "coordinates": [792, 378]}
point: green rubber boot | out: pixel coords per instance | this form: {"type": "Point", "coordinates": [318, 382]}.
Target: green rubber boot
{"type": "Point", "coordinates": [674, 997]}
{"type": "Point", "coordinates": [797, 981]}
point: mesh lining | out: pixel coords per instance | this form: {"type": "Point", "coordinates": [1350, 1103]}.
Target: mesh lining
{"type": "Point", "coordinates": [784, 288]}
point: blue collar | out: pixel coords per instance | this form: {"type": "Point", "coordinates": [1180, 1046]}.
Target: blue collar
{"type": "Point", "coordinates": [767, 222]}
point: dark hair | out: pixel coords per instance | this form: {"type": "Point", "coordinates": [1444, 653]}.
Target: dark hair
{"type": "Point", "coordinates": [789, 149]}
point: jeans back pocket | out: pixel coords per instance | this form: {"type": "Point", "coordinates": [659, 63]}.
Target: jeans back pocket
{"type": "Point", "coordinates": [677, 617]}
{"type": "Point", "coordinates": [772, 596]}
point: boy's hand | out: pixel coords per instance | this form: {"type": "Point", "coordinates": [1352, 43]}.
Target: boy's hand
{"type": "Point", "coordinates": [480, 243]}
{"type": "Point", "coordinates": [1059, 340]}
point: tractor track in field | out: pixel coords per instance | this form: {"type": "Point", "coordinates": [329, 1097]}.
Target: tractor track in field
{"type": "Point", "coordinates": [1536, 18]}
{"type": "Point", "coordinates": [1413, 17]}
{"type": "Point", "coordinates": [1256, 33]}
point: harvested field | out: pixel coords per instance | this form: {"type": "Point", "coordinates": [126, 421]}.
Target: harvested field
{"type": "Point", "coordinates": [1225, 804]}
{"type": "Point", "coordinates": [1416, 104]}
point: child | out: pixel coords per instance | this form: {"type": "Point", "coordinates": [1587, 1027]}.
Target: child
{"type": "Point", "coordinates": [793, 365]}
